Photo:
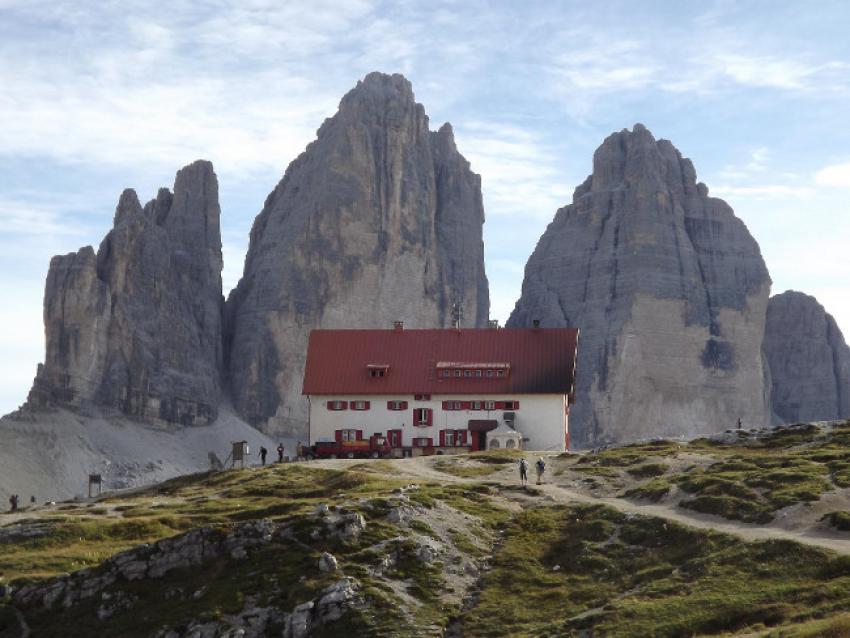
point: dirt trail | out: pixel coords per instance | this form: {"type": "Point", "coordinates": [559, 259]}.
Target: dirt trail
{"type": "Point", "coordinates": [421, 469]}
{"type": "Point", "coordinates": [701, 521]}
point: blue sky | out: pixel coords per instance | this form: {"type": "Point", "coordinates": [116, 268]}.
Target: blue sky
{"type": "Point", "coordinates": [97, 97]}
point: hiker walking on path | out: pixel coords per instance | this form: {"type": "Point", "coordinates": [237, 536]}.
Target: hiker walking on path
{"type": "Point", "coordinates": [263, 452]}
{"type": "Point", "coordinates": [280, 449]}
{"type": "Point", "coordinates": [523, 472]}
{"type": "Point", "coordinates": [13, 503]}
{"type": "Point", "coordinates": [541, 467]}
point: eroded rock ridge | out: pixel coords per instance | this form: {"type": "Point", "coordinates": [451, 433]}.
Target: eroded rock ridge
{"type": "Point", "coordinates": [137, 325]}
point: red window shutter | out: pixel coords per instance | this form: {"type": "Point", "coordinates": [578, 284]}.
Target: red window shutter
{"type": "Point", "coordinates": [462, 436]}
{"type": "Point", "coordinates": [442, 438]}
{"type": "Point", "coordinates": [404, 405]}
{"type": "Point", "coordinates": [430, 416]}
{"type": "Point", "coordinates": [465, 405]}
{"type": "Point", "coordinates": [516, 405]}
{"type": "Point", "coordinates": [389, 405]}
{"type": "Point", "coordinates": [500, 405]}
{"type": "Point", "coordinates": [359, 435]}
{"type": "Point", "coordinates": [430, 442]}
{"type": "Point", "coordinates": [447, 405]}
{"type": "Point", "coordinates": [368, 403]}
{"type": "Point", "coordinates": [338, 436]}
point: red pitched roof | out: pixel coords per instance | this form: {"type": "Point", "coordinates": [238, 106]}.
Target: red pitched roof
{"type": "Point", "coordinates": [541, 361]}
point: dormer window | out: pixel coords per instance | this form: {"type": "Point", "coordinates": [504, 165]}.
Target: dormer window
{"type": "Point", "coordinates": [378, 370]}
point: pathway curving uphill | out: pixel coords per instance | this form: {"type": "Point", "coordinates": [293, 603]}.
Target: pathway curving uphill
{"type": "Point", "coordinates": [421, 468]}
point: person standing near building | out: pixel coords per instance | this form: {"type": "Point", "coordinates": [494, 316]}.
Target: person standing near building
{"type": "Point", "coordinates": [280, 450]}
{"type": "Point", "coordinates": [541, 467]}
{"type": "Point", "coordinates": [263, 452]}
{"type": "Point", "coordinates": [299, 452]}
{"type": "Point", "coordinates": [523, 472]}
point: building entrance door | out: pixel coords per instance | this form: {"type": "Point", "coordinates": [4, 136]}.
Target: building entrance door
{"type": "Point", "coordinates": [478, 429]}
{"type": "Point", "coordinates": [394, 438]}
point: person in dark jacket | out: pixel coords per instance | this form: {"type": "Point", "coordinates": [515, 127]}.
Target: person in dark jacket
{"type": "Point", "coordinates": [523, 471]}
{"type": "Point", "coordinates": [280, 450]}
{"type": "Point", "coordinates": [263, 452]}
{"type": "Point", "coordinates": [541, 467]}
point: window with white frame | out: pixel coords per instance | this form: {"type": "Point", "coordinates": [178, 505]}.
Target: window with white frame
{"type": "Point", "coordinates": [422, 417]}
{"type": "Point", "coordinates": [348, 435]}
{"type": "Point", "coordinates": [489, 405]}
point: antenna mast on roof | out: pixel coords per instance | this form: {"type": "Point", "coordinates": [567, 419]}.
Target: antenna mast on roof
{"type": "Point", "coordinates": [457, 313]}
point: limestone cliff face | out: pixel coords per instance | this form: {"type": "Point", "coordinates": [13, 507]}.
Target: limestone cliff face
{"type": "Point", "coordinates": [380, 219]}
{"type": "Point", "coordinates": [809, 360]}
{"type": "Point", "coordinates": [137, 326]}
{"type": "Point", "coordinates": [669, 290]}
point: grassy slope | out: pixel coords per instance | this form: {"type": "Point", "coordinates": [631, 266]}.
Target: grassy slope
{"type": "Point", "coordinates": [749, 480]}
{"type": "Point", "coordinates": [275, 574]}
{"type": "Point", "coordinates": [556, 570]}
{"type": "Point", "coordinates": [562, 570]}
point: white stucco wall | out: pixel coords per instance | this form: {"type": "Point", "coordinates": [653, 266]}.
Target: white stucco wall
{"type": "Point", "coordinates": [541, 418]}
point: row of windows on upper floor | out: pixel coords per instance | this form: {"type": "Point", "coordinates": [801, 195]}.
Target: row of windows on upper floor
{"type": "Point", "coordinates": [337, 406]}
{"type": "Point", "coordinates": [448, 373]}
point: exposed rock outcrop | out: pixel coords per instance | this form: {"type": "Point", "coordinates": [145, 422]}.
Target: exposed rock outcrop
{"type": "Point", "coordinates": [669, 290]}
{"type": "Point", "coordinates": [380, 219]}
{"type": "Point", "coordinates": [137, 326]}
{"type": "Point", "coordinates": [809, 360]}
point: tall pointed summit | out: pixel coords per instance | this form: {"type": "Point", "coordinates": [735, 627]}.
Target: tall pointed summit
{"type": "Point", "coordinates": [669, 290]}
{"type": "Point", "coordinates": [380, 219]}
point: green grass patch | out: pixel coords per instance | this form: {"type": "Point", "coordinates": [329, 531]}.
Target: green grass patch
{"type": "Point", "coordinates": [838, 520]}
{"type": "Point", "coordinates": [562, 571]}
{"type": "Point", "coordinates": [652, 490]}
{"type": "Point", "coordinates": [647, 470]}
{"type": "Point", "coordinates": [455, 468]}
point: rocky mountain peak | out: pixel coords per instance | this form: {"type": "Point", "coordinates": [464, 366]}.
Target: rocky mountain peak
{"type": "Point", "coordinates": [128, 207]}
{"type": "Point", "coordinates": [137, 327]}
{"type": "Point", "coordinates": [668, 288]}
{"type": "Point", "coordinates": [380, 219]}
{"type": "Point", "coordinates": [809, 360]}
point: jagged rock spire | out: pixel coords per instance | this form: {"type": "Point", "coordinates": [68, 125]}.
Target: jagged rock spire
{"type": "Point", "coordinates": [137, 326]}
{"type": "Point", "coordinates": [380, 219]}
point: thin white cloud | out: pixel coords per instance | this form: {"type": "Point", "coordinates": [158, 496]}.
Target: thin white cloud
{"type": "Point", "coordinates": [761, 191]}
{"type": "Point", "coordinates": [520, 173]}
{"type": "Point", "coordinates": [835, 175]}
